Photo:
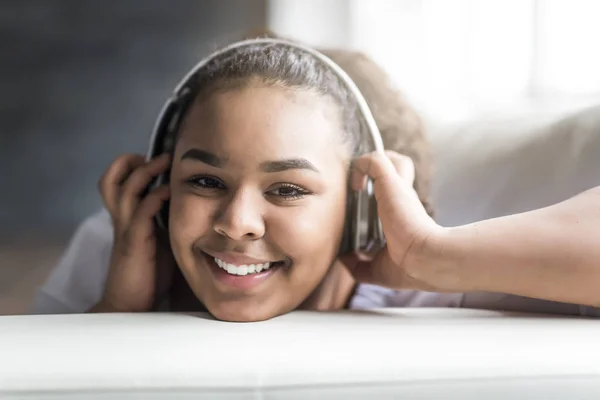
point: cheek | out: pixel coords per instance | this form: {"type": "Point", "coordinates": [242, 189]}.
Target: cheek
{"type": "Point", "coordinates": [189, 219]}
{"type": "Point", "coordinates": [311, 234]}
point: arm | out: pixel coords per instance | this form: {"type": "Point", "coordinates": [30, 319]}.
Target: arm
{"type": "Point", "coordinates": [552, 253]}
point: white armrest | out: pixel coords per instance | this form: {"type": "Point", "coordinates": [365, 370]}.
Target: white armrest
{"type": "Point", "coordinates": [392, 353]}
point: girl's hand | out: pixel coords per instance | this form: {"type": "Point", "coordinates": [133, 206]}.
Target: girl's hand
{"type": "Point", "coordinates": [141, 267]}
{"type": "Point", "coordinates": [409, 230]}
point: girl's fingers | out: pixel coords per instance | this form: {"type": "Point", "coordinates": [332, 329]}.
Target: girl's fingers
{"type": "Point", "coordinates": [380, 169]}
{"type": "Point", "coordinates": [141, 226]}
{"type": "Point", "coordinates": [110, 183]}
{"type": "Point", "coordinates": [404, 165]}
{"type": "Point", "coordinates": [137, 184]}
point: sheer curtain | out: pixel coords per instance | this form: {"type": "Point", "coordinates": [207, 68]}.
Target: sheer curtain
{"type": "Point", "coordinates": [453, 57]}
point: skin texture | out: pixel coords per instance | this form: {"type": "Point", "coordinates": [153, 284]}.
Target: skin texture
{"type": "Point", "coordinates": [240, 207]}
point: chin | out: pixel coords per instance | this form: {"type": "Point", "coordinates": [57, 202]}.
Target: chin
{"type": "Point", "coordinates": [242, 312]}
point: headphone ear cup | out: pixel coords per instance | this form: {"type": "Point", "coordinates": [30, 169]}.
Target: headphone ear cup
{"type": "Point", "coordinates": [162, 217]}
{"type": "Point", "coordinates": [346, 243]}
{"type": "Point", "coordinates": [376, 236]}
{"type": "Point", "coordinates": [364, 224]}
{"type": "Point", "coordinates": [368, 234]}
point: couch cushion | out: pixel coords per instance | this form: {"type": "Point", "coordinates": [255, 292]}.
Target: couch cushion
{"type": "Point", "coordinates": [393, 353]}
{"type": "Point", "coordinates": [507, 164]}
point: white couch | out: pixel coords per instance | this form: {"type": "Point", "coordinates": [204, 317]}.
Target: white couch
{"type": "Point", "coordinates": [386, 354]}
{"type": "Point", "coordinates": [487, 167]}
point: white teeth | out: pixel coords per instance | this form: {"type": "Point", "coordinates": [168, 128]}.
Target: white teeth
{"type": "Point", "coordinates": [242, 269]}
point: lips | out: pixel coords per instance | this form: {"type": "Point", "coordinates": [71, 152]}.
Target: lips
{"type": "Point", "coordinates": [238, 259]}
{"type": "Point", "coordinates": [244, 269]}
{"type": "Point", "coordinates": [238, 271]}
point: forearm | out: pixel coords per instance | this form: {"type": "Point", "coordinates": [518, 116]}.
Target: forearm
{"type": "Point", "coordinates": [551, 253]}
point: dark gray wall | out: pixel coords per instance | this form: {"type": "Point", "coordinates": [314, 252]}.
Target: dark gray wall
{"type": "Point", "coordinates": [81, 82]}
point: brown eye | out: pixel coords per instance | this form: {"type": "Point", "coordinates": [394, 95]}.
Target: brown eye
{"type": "Point", "coordinates": [289, 192]}
{"type": "Point", "coordinates": [206, 182]}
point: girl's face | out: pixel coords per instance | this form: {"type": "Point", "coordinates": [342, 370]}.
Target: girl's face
{"type": "Point", "coordinates": [258, 199]}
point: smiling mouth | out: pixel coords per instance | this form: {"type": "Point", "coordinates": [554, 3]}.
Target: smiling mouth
{"type": "Point", "coordinates": [242, 268]}
{"type": "Point", "coordinates": [242, 277]}
{"type": "Point", "coordinates": [246, 269]}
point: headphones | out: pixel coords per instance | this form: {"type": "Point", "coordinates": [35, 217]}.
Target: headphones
{"type": "Point", "coordinates": [362, 231]}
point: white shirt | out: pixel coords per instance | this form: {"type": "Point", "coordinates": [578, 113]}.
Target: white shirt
{"type": "Point", "coordinates": [77, 283]}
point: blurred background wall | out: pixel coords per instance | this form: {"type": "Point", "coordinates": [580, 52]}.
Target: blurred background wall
{"type": "Point", "coordinates": [82, 81]}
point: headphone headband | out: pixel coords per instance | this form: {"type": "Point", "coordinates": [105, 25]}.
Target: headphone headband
{"type": "Point", "coordinates": [184, 84]}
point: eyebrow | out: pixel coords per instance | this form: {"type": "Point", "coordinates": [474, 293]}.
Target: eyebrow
{"type": "Point", "coordinates": [203, 156]}
{"type": "Point", "coordinates": [268, 166]}
{"type": "Point", "coordinates": [284, 165]}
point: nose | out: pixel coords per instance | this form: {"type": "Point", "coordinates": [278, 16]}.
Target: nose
{"type": "Point", "coordinates": [240, 218]}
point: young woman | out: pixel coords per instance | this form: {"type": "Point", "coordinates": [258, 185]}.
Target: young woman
{"type": "Point", "coordinates": [258, 192]}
